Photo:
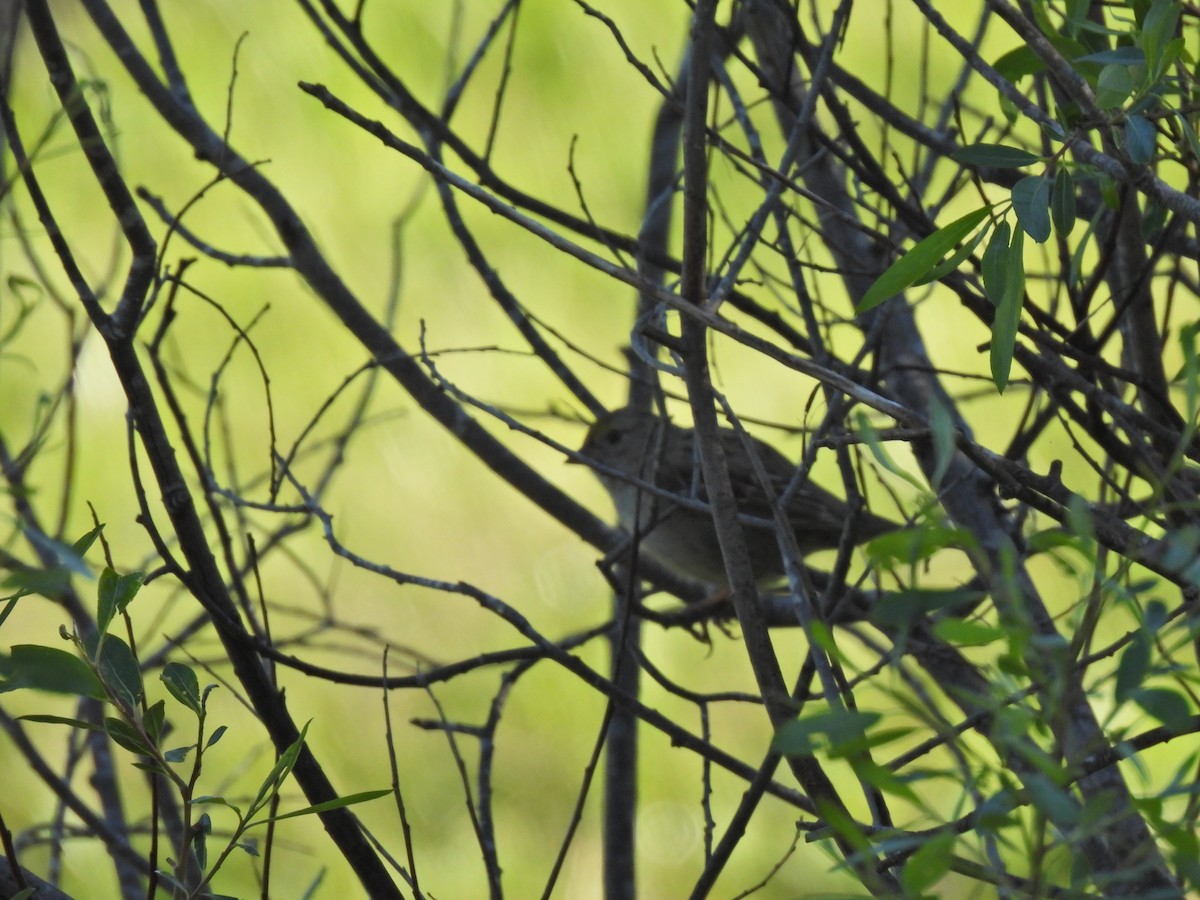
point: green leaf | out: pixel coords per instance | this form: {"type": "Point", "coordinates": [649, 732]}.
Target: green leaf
{"type": "Point", "coordinates": [279, 772]}
{"type": "Point", "coordinates": [871, 436]}
{"type": "Point", "coordinates": [1007, 108]}
{"type": "Point", "coordinates": [954, 260]}
{"type": "Point", "coordinates": [803, 737]}
{"type": "Point", "coordinates": [126, 736]}
{"type": "Point", "coordinates": [1158, 30]}
{"type": "Point", "coordinates": [1140, 138]}
{"type": "Point", "coordinates": [119, 670]}
{"type": "Point", "coordinates": [928, 864]}
{"type": "Point", "coordinates": [1189, 372]}
{"type": "Point", "coordinates": [1124, 56]}
{"type": "Point", "coordinates": [911, 545]}
{"type": "Point", "coordinates": [1058, 804]}
{"type": "Point", "coordinates": [884, 779]}
{"type": "Point", "coordinates": [66, 555]}
{"type": "Point", "coordinates": [1016, 64]}
{"type": "Point", "coordinates": [49, 583]}
{"type": "Point", "coordinates": [1076, 17]}
{"type": "Point", "coordinates": [83, 545]}
{"type": "Point", "coordinates": [941, 425]}
{"type": "Point", "coordinates": [1114, 85]}
{"type": "Point", "coordinates": [217, 734]}
{"type": "Point", "coordinates": [1189, 134]}
{"type": "Point", "coordinates": [1154, 219]}
{"type": "Point", "coordinates": [995, 263]}
{"type": "Point", "coordinates": [994, 156]}
{"type": "Point", "coordinates": [1031, 202]}
{"type": "Point", "coordinates": [178, 754]}
{"type": "Point", "coordinates": [149, 764]}
{"type": "Point", "coordinates": [63, 720]}
{"type": "Point", "coordinates": [1062, 202]}
{"type": "Point", "coordinates": [963, 633]}
{"type": "Point", "coordinates": [200, 840]}
{"type": "Point", "coordinates": [920, 259]}
{"type": "Point", "coordinates": [106, 607]}
{"type": "Point", "coordinates": [1109, 192]}
{"type": "Point", "coordinates": [1132, 667]}
{"type": "Point", "coordinates": [183, 685]}
{"type": "Point", "coordinates": [114, 593]}
{"type": "Point", "coordinates": [901, 609]}
{"type": "Point", "coordinates": [152, 721]}
{"type": "Point", "coordinates": [49, 669]}
{"type": "Point", "coordinates": [337, 803]}
{"type": "Point", "coordinates": [1166, 705]}
{"type": "Point", "coordinates": [212, 799]}
{"type": "Point", "coordinates": [1008, 312]}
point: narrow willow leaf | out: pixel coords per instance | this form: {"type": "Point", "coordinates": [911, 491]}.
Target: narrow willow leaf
{"type": "Point", "coordinates": [280, 771]}
{"type": "Point", "coordinates": [964, 633]}
{"type": "Point", "coordinates": [1189, 372]}
{"type": "Point", "coordinates": [875, 445]}
{"type": "Point", "coordinates": [954, 260]}
{"type": "Point", "coordinates": [1062, 202]}
{"type": "Point", "coordinates": [153, 720]}
{"type": "Point", "coordinates": [1031, 202]}
{"type": "Point", "coordinates": [994, 156]}
{"type": "Point", "coordinates": [62, 720]}
{"type": "Point", "coordinates": [65, 555]}
{"type": "Point", "coordinates": [337, 803]}
{"type": "Point", "coordinates": [1132, 668]}
{"type": "Point", "coordinates": [81, 547]}
{"type": "Point", "coordinates": [995, 263]}
{"type": "Point", "coordinates": [107, 606]}
{"type": "Point", "coordinates": [1008, 312]}
{"type": "Point", "coordinates": [920, 259]}
{"type": "Point", "coordinates": [1077, 16]}
{"type": "Point", "coordinates": [1125, 56]}
{"type": "Point", "coordinates": [1158, 28]}
{"type": "Point", "coordinates": [941, 424]}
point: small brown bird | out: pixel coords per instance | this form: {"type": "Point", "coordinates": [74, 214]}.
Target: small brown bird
{"type": "Point", "coordinates": [644, 446]}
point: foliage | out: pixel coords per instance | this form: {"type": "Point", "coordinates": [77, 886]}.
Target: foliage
{"type": "Point", "coordinates": [840, 224]}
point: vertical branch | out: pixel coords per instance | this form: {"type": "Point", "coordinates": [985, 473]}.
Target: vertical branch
{"type": "Point", "coordinates": [731, 537]}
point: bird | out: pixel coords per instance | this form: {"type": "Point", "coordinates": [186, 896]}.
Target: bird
{"type": "Point", "coordinates": [640, 444]}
